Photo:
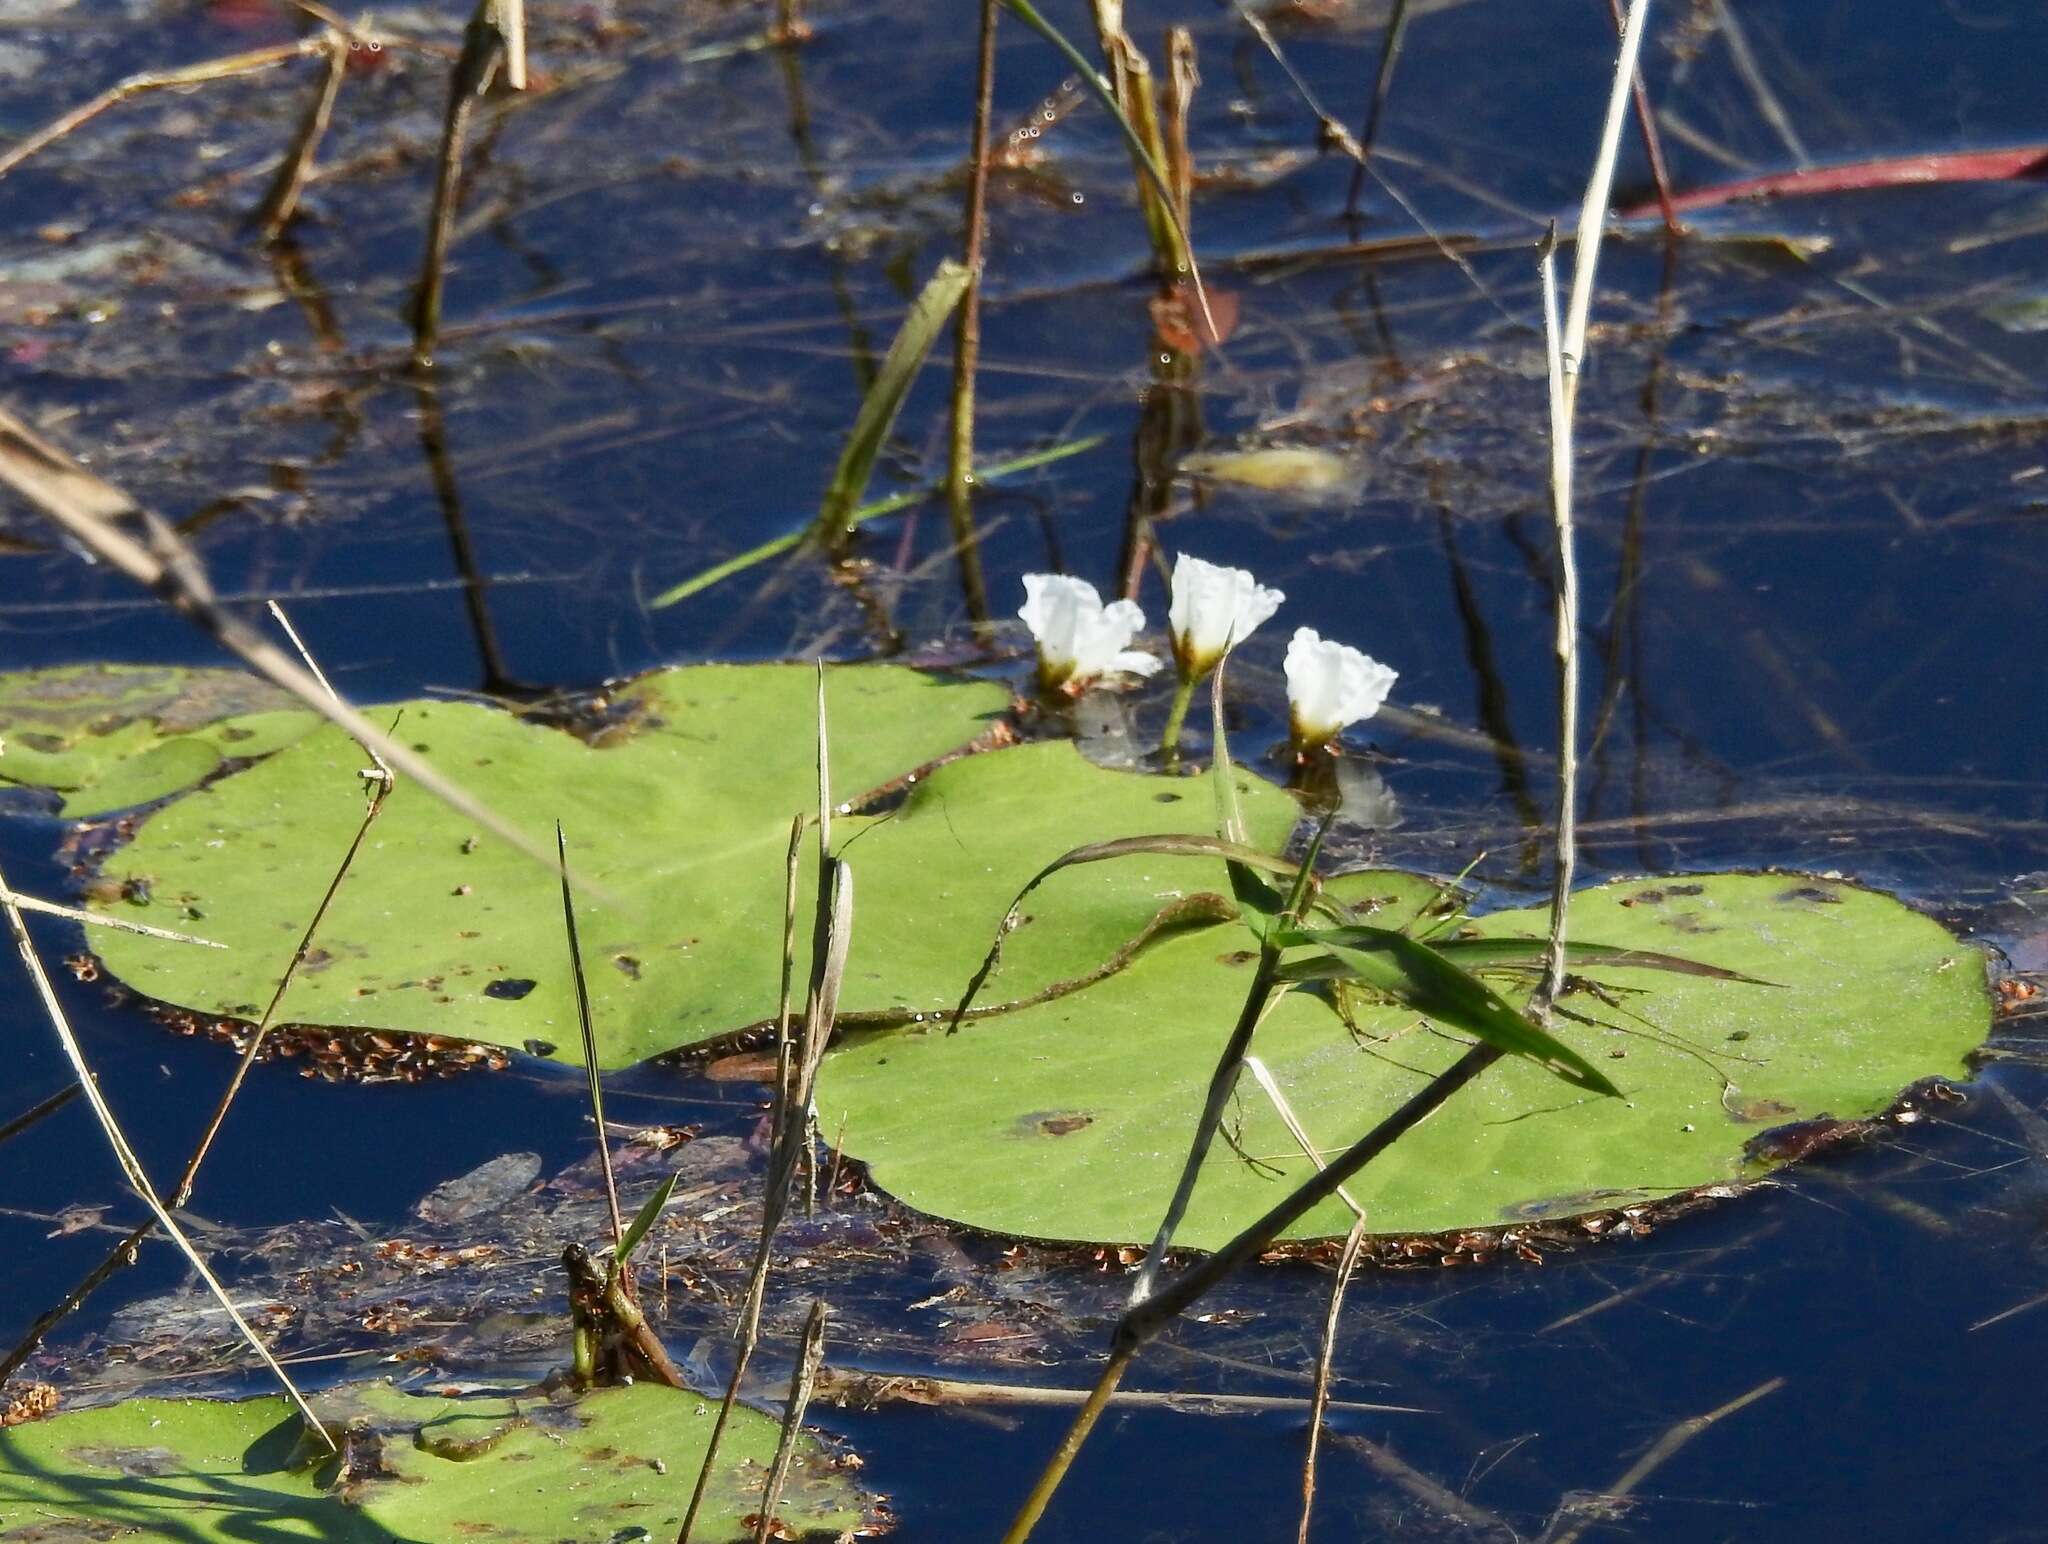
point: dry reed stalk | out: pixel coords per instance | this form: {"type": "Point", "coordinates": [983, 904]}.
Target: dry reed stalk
{"type": "Point", "coordinates": [967, 330]}
{"type": "Point", "coordinates": [281, 200]}
{"type": "Point", "coordinates": [141, 544]}
{"type": "Point", "coordinates": [131, 1165]}
{"type": "Point", "coordinates": [802, 1381]}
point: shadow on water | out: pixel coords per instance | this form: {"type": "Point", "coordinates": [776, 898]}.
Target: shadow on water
{"type": "Point", "coordinates": [1814, 482]}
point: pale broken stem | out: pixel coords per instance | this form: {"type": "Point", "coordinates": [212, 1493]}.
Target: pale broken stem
{"type": "Point", "coordinates": [284, 982]}
{"type": "Point", "coordinates": [1653, 144]}
{"type": "Point", "coordinates": [284, 622]}
{"type": "Point", "coordinates": [1319, 1398]}
{"type": "Point", "coordinates": [1478, 1521]}
{"type": "Point", "coordinates": [589, 1029]}
{"type": "Point", "coordinates": [512, 22]}
{"type": "Point", "coordinates": [1565, 352]}
{"type": "Point", "coordinates": [131, 1166]}
{"type": "Point", "coordinates": [801, 1383]}
{"type": "Point", "coordinates": [1599, 193]}
{"type": "Point", "coordinates": [380, 784]}
{"type": "Point", "coordinates": [747, 1331]}
{"type": "Point", "coordinates": [1295, 1129]}
{"type": "Point", "coordinates": [1563, 1531]}
{"type": "Point", "coordinates": [225, 68]}
{"type": "Point", "coordinates": [93, 513]}
{"type": "Point", "coordinates": [1566, 641]}
{"type": "Point", "coordinates": [94, 919]}
{"type": "Point", "coordinates": [281, 200]}
{"type": "Point", "coordinates": [1347, 1262]}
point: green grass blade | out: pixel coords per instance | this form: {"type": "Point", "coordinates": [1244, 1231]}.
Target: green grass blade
{"type": "Point", "coordinates": [1512, 953]}
{"type": "Point", "coordinates": [775, 546]}
{"type": "Point", "coordinates": [906, 356]}
{"type": "Point", "coordinates": [1170, 844]}
{"type": "Point", "coordinates": [645, 1219]}
{"type": "Point", "coordinates": [1421, 977]}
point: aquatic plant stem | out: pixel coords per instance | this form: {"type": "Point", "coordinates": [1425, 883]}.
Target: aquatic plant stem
{"type": "Point", "coordinates": [1055, 1471]}
{"type": "Point", "coordinates": [1347, 1262]}
{"type": "Point", "coordinates": [1319, 1399]}
{"type": "Point", "coordinates": [1176, 716]}
{"type": "Point", "coordinates": [381, 782]}
{"type": "Point", "coordinates": [967, 334]}
{"type": "Point", "coordinates": [1142, 1321]}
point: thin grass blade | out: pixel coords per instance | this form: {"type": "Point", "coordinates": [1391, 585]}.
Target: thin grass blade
{"type": "Point", "coordinates": [874, 509]}
{"type": "Point", "coordinates": [645, 1218]}
{"type": "Point", "coordinates": [871, 425]}
{"type": "Point", "coordinates": [1515, 953]}
{"type": "Point", "coordinates": [1421, 977]}
{"type": "Point", "coordinates": [1176, 844]}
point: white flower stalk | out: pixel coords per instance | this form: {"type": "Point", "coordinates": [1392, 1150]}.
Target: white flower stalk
{"type": "Point", "coordinates": [1331, 686]}
{"type": "Point", "coordinates": [1079, 639]}
{"type": "Point", "coordinates": [1214, 609]}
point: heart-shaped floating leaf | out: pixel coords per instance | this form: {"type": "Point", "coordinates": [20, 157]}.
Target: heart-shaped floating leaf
{"type": "Point", "coordinates": [514, 1469]}
{"type": "Point", "coordinates": [111, 736]}
{"type": "Point", "coordinates": [682, 815]}
{"type": "Point", "coordinates": [1068, 1120]}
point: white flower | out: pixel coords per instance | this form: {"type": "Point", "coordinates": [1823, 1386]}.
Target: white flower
{"type": "Point", "coordinates": [1078, 637]}
{"type": "Point", "coordinates": [1330, 685]}
{"type": "Point", "coordinates": [1214, 609]}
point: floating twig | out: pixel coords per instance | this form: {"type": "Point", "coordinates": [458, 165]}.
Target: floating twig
{"type": "Point", "coordinates": [1566, 1528]}
{"type": "Point", "coordinates": [224, 68]}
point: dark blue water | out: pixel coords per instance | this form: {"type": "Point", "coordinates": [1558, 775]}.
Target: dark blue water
{"type": "Point", "coordinates": [1811, 502]}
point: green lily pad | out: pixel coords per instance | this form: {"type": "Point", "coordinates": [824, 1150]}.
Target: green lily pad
{"type": "Point", "coordinates": [683, 818]}
{"type": "Point", "coordinates": [616, 1464]}
{"type": "Point", "coordinates": [517, 1469]}
{"type": "Point", "coordinates": [112, 736]}
{"type": "Point", "coordinates": [194, 1470]}
{"type": "Point", "coordinates": [1070, 1120]}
